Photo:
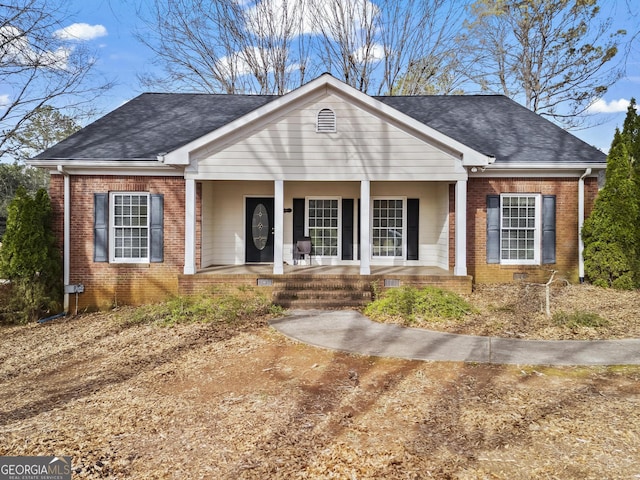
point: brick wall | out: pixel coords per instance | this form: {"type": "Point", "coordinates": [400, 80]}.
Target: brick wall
{"type": "Point", "coordinates": [566, 192]}
{"type": "Point", "coordinates": [106, 284]}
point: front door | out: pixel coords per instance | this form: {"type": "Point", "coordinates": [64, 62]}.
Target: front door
{"type": "Point", "coordinates": [259, 230]}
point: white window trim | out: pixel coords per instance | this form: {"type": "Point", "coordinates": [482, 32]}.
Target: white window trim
{"type": "Point", "coordinates": [537, 236]}
{"type": "Point", "coordinates": [112, 229]}
{"type": "Point", "coordinates": [306, 223]}
{"type": "Point", "coordinates": [380, 258]}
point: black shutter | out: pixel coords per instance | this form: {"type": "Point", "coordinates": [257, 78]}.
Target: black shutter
{"type": "Point", "coordinates": [100, 227]}
{"type": "Point", "coordinates": [413, 219]}
{"type": "Point", "coordinates": [549, 229]}
{"type": "Point", "coordinates": [493, 228]}
{"type": "Point", "coordinates": [347, 229]}
{"type": "Point", "coordinates": [156, 230]}
{"type": "Point", "coordinates": [298, 219]}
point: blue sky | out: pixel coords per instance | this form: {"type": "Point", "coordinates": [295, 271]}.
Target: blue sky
{"type": "Point", "coordinates": [109, 26]}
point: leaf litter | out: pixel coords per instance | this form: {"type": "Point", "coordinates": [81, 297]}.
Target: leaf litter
{"type": "Point", "coordinates": [242, 402]}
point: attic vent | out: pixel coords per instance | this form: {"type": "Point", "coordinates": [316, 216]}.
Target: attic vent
{"type": "Point", "coordinates": [326, 121]}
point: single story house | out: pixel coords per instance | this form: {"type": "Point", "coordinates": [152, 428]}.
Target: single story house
{"type": "Point", "coordinates": [173, 187]}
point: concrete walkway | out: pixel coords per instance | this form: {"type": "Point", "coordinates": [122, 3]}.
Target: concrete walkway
{"type": "Point", "coordinates": [349, 331]}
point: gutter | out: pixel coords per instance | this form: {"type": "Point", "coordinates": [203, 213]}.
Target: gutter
{"type": "Point", "coordinates": [581, 223]}
{"type": "Point", "coordinates": [67, 231]}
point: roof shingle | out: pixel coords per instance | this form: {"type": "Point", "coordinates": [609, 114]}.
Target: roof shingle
{"type": "Point", "coordinates": [154, 123]}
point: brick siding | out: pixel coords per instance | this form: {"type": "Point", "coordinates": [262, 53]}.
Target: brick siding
{"type": "Point", "coordinates": [107, 285]}
{"type": "Point", "coordinates": [566, 192]}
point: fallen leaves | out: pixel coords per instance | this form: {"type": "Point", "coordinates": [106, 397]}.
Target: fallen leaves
{"type": "Point", "coordinates": [203, 401]}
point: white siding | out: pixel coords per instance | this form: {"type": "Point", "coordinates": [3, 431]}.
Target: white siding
{"type": "Point", "coordinates": [433, 239]}
{"type": "Point", "coordinates": [288, 147]}
{"type": "Point", "coordinates": [223, 216]}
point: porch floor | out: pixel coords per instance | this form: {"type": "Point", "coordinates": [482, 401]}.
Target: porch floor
{"type": "Point", "coordinates": [320, 270]}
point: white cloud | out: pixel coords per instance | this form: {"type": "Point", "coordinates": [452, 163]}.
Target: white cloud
{"type": "Point", "coordinates": [81, 32]}
{"type": "Point", "coordinates": [17, 50]}
{"type": "Point", "coordinates": [614, 106]}
{"type": "Point", "coordinates": [15, 47]}
{"type": "Point", "coordinates": [58, 59]}
{"type": "Point", "coordinates": [236, 64]}
{"type": "Point", "coordinates": [374, 53]}
{"type": "Point", "coordinates": [310, 17]}
{"type": "Point", "coordinates": [4, 101]}
{"type": "Point", "coordinates": [240, 63]}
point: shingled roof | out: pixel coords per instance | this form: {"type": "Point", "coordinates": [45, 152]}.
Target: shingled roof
{"type": "Point", "coordinates": [153, 123]}
{"type": "Point", "coordinates": [493, 125]}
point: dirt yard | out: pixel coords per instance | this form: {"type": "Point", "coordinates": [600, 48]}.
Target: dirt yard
{"type": "Point", "coordinates": [242, 402]}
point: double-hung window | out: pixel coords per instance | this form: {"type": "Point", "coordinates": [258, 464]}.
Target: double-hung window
{"type": "Point", "coordinates": [520, 229]}
{"type": "Point", "coordinates": [128, 227]}
{"type": "Point", "coordinates": [129, 232]}
{"type": "Point", "coordinates": [324, 226]}
{"type": "Point", "coordinates": [388, 221]}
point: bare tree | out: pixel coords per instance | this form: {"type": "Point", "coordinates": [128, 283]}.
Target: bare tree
{"type": "Point", "coordinates": [38, 66]}
{"type": "Point", "coordinates": [347, 46]}
{"type": "Point", "coordinates": [224, 46]}
{"type": "Point", "coordinates": [273, 46]}
{"type": "Point", "coordinates": [372, 47]}
{"type": "Point", "coordinates": [419, 40]}
{"type": "Point", "coordinates": [197, 44]}
{"type": "Point", "coordinates": [554, 57]}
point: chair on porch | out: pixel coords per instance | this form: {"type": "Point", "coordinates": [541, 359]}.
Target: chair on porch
{"type": "Point", "coordinates": [302, 249]}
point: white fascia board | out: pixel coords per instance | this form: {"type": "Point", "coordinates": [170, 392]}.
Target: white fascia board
{"type": "Point", "coordinates": [539, 170]}
{"type": "Point", "coordinates": [318, 87]}
{"type": "Point", "coordinates": [109, 167]}
{"type": "Point", "coordinates": [329, 177]}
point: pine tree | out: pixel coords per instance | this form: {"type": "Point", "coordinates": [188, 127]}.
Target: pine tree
{"type": "Point", "coordinates": [612, 232]}
{"type": "Point", "coordinates": [29, 258]}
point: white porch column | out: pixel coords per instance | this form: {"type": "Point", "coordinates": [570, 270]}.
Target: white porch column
{"type": "Point", "coordinates": [460, 267]}
{"type": "Point", "coordinates": [190, 227]}
{"type": "Point", "coordinates": [278, 225]}
{"type": "Point", "coordinates": [365, 227]}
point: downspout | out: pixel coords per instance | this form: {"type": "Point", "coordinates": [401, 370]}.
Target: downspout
{"type": "Point", "coordinates": [581, 223]}
{"type": "Point", "coordinates": [66, 234]}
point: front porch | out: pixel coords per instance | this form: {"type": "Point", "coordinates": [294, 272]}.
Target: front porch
{"type": "Point", "coordinates": [320, 286]}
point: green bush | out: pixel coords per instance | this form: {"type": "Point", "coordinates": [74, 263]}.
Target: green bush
{"type": "Point", "coordinates": [611, 234]}
{"type": "Point", "coordinates": [29, 258]}
{"type": "Point", "coordinates": [412, 304]}
{"type": "Point", "coordinates": [579, 319]}
{"type": "Point", "coordinates": [244, 303]}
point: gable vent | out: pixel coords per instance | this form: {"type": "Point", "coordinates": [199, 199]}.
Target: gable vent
{"type": "Point", "coordinates": [326, 121]}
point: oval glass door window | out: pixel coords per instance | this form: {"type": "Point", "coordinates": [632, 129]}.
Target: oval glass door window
{"type": "Point", "coordinates": [260, 226]}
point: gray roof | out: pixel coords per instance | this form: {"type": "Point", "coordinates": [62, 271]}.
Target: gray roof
{"type": "Point", "coordinates": [161, 122]}
{"type": "Point", "coordinates": [153, 123]}
{"type": "Point", "coordinates": [496, 125]}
